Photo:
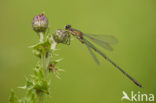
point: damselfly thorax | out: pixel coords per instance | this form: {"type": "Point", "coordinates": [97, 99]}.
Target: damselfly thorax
{"type": "Point", "coordinates": [75, 33]}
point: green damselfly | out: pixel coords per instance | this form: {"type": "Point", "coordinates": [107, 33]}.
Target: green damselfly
{"type": "Point", "coordinates": [103, 41]}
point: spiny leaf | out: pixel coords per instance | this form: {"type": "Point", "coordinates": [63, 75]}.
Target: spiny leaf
{"type": "Point", "coordinates": [13, 98]}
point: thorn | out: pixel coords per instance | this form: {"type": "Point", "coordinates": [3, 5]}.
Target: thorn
{"type": "Point", "coordinates": [59, 60]}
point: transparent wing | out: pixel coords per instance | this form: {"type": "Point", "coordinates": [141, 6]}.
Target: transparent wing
{"type": "Point", "coordinates": [106, 38]}
{"type": "Point", "coordinates": [92, 54]}
{"type": "Point", "coordinates": [102, 40]}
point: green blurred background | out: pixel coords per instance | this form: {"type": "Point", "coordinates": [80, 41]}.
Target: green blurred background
{"type": "Point", "coordinates": [133, 22]}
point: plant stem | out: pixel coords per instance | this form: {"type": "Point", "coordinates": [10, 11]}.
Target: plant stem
{"type": "Point", "coordinates": [53, 46]}
{"type": "Point", "coordinates": [40, 99]}
{"type": "Point", "coordinates": [43, 61]}
{"type": "Point", "coordinates": [41, 36]}
{"type": "Point", "coordinates": [43, 54]}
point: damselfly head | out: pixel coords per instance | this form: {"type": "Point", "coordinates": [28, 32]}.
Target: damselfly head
{"type": "Point", "coordinates": [67, 27]}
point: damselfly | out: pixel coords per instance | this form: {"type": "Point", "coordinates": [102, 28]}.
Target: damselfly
{"type": "Point", "coordinates": [103, 41]}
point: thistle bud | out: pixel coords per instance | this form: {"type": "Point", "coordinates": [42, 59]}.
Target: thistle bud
{"type": "Point", "coordinates": [40, 23]}
{"type": "Point", "coordinates": [61, 36]}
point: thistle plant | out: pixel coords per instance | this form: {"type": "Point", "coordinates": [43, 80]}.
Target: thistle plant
{"type": "Point", "coordinates": [38, 84]}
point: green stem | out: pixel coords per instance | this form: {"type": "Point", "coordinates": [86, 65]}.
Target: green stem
{"type": "Point", "coordinates": [43, 55]}
{"type": "Point", "coordinates": [43, 61]}
{"type": "Point", "coordinates": [40, 100]}
{"type": "Point", "coordinates": [41, 34]}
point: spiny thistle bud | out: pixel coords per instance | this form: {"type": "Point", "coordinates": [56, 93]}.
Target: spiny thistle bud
{"type": "Point", "coordinates": [40, 23]}
{"type": "Point", "coordinates": [61, 36]}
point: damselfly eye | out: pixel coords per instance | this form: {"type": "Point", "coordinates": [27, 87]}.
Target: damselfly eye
{"type": "Point", "coordinates": [67, 27]}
